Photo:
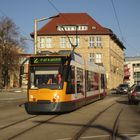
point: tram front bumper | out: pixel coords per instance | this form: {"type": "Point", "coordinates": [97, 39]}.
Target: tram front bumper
{"type": "Point", "coordinates": [34, 107]}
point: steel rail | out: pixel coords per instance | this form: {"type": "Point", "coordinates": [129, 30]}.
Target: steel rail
{"type": "Point", "coordinates": [14, 123]}
{"type": "Point", "coordinates": [115, 133]}
{"type": "Point", "coordinates": [85, 127]}
{"type": "Point", "coordinates": [30, 128]}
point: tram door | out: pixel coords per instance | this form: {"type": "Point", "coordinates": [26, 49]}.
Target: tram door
{"type": "Point", "coordinates": [80, 82]}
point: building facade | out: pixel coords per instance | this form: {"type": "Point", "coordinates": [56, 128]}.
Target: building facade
{"type": "Point", "coordinates": [133, 65]}
{"type": "Point", "coordinates": [23, 72]}
{"type": "Point", "coordinates": [94, 42]}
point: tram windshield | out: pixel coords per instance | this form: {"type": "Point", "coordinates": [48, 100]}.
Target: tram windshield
{"type": "Point", "coordinates": [50, 77]}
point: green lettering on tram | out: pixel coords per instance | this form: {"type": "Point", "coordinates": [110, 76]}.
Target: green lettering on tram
{"type": "Point", "coordinates": [44, 60]}
{"type": "Point", "coordinates": [35, 61]}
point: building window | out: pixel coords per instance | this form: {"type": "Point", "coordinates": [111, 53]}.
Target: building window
{"type": "Point", "coordinates": [77, 41]}
{"type": "Point", "coordinates": [91, 57]}
{"type": "Point", "coordinates": [98, 41]}
{"type": "Point", "coordinates": [70, 41]}
{"type": "Point", "coordinates": [91, 42]}
{"type": "Point", "coordinates": [98, 58]}
{"type": "Point", "coordinates": [72, 28]}
{"type": "Point", "coordinates": [137, 77]}
{"type": "Point", "coordinates": [42, 42]}
{"type": "Point", "coordinates": [95, 41]}
{"type": "Point", "coordinates": [49, 42]}
{"type": "Point", "coordinates": [63, 42]}
{"type": "Point", "coordinates": [134, 65]}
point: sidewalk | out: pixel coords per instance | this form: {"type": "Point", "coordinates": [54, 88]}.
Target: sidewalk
{"type": "Point", "coordinates": [136, 138]}
{"type": "Point", "coordinates": [14, 93]}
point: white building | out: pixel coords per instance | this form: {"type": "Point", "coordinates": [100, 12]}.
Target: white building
{"type": "Point", "coordinates": [133, 71]}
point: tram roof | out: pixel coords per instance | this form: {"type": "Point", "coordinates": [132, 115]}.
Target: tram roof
{"type": "Point", "coordinates": [95, 67]}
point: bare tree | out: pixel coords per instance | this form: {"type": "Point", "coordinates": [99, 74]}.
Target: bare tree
{"type": "Point", "coordinates": [10, 46]}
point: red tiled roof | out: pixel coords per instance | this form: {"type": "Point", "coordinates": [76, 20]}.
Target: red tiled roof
{"type": "Point", "coordinates": [73, 19]}
{"type": "Point", "coordinates": [94, 28]}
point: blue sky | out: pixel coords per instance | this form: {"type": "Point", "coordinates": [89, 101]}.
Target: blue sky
{"type": "Point", "coordinates": [23, 13]}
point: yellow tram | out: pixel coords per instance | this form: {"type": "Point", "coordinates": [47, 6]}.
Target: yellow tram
{"type": "Point", "coordinates": [61, 82]}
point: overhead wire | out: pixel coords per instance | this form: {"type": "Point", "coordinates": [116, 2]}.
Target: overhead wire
{"type": "Point", "coordinates": [117, 19]}
{"type": "Point", "coordinates": [118, 23]}
{"type": "Point", "coordinates": [65, 19]}
{"type": "Point", "coordinates": [58, 10]}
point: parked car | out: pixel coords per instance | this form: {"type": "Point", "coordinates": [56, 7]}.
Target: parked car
{"type": "Point", "coordinates": [134, 94]}
{"type": "Point", "coordinates": [122, 88]}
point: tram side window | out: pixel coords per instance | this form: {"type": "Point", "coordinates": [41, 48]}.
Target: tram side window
{"type": "Point", "coordinates": [71, 81]}
{"type": "Point", "coordinates": [89, 83]}
{"type": "Point", "coordinates": [32, 83]}
{"type": "Point", "coordinates": [32, 80]}
{"type": "Point", "coordinates": [96, 81]}
{"type": "Point", "coordinates": [79, 80]}
{"type": "Point", "coordinates": [102, 81]}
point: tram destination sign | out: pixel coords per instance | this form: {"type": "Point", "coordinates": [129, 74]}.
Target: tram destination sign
{"type": "Point", "coordinates": [46, 60]}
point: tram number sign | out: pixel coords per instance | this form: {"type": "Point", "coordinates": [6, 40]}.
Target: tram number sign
{"type": "Point", "coordinates": [46, 60]}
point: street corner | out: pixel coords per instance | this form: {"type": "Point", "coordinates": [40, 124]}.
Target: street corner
{"type": "Point", "coordinates": [12, 94]}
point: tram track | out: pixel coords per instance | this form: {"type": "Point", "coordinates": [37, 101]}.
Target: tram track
{"type": "Point", "coordinates": [86, 126]}
{"type": "Point", "coordinates": [113, 132]}
{"type": "Point", "coordinates": [115, 128]}
{"type": "Point", "coordinates": [97, 126]}
{"type": "Point", "coordinates": [75, 137]}
{"type": "Point", "coordinates": [10, 126]}
{"type": "Point", "coordinates": [15, 123]}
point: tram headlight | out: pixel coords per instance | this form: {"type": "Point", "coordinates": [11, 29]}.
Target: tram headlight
{"type": "Point", "coordinates": [56, 97]}
{"type": "Point", "coordinates": [32, 98]}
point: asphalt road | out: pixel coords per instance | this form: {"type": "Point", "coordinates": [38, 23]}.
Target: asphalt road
{"type": "Point", "coordinates": [12, 97]}
{"type": "Point", "coordinates": [111, 118]}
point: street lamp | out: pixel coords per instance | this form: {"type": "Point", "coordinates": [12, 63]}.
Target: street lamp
{"type": "Point", "coordinates": [35, 30]}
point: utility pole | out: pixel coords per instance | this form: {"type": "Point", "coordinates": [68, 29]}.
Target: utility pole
{"type": "Point", "coordinates": [35, 30]}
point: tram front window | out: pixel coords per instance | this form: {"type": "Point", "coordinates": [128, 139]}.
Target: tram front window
{"type": "Point", "coordinates": [46, 77]}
